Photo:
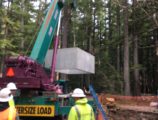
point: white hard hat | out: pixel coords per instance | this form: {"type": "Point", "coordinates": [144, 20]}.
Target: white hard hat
{"type": "Point", "coordinates": [78, 93]}
{"type": "Point", "coordinates": [11, 86]}
{"type": "Point", "coordinates": [5, 95]}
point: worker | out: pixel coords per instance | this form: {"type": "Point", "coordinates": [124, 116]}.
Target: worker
{"type": "Point", "coordinates": [81, 110]}
{"type": "Point", "coordinates": [12, 87]}
{"type": "Point", "coordinates": [6, 112]}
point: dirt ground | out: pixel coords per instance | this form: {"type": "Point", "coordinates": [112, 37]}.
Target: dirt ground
{"type": "Point", "coordinates": [130, 108]}
{"type": "Point", "coordinates": [132, 115]}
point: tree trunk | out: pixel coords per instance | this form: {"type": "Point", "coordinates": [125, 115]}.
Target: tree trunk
{"type": "Point", "coordinates": [66, 25]}
{"type": "Point", "coordinates": [66, 28]}
{"type": "Point", "coordinates": [1, 31]}
{"type": "Point", "coordinates": [135, 38]}
{"type": "Point", "coordinates": [126, 51]}
{"type": "Point", "coordinates": [136, 70]}
{"type": "Point", "coordinates": [156, 59]}
{"type": "Point", "coordinates": [110, 21]}
{"type": "Point", "coordinates": [22, 26]}
{"type": "Point", "coordinates": [118, 64]}
{"type": "Point", "coordinates": [118, 34]}
{"type": "Point", "coordinates": [5, 27]}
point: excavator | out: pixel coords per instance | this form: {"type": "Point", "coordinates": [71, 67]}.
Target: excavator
{"type": "Point", "coordinates": [39, 95]}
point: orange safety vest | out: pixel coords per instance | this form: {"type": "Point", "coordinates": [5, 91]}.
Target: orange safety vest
{"type": "Point", "coordinates": [8, 114]}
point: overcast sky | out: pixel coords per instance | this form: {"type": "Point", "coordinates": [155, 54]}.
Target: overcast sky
{"type": "Point", "coordinates": [37, 3]}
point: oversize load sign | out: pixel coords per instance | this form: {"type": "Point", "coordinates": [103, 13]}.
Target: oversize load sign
{"type": "Point", "coordinates": [35, 110]}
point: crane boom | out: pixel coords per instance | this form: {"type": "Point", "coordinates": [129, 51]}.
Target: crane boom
{"type": "Point", "coordinates": [46, 32]}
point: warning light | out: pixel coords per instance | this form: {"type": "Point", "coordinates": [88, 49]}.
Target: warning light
{"type": "Point", "coordinates": [10, 72]}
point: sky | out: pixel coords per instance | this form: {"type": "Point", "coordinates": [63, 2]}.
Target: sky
{"type": "Point", "coordinates": [36, 4]}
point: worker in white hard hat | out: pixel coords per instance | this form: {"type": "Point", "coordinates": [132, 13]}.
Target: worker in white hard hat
{"type": "Point", "coordinates": [6, 112]}
{"type": "Point", "coordinates": [81, 110]}
{"type": "Point", "coordinates": [12, 87]}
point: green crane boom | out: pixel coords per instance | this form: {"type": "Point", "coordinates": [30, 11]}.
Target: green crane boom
{"type": "Point", "coordinates": [46, 32]}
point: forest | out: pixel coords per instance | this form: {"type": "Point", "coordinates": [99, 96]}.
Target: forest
{"type": "Point", "coordinates": [121, 34]}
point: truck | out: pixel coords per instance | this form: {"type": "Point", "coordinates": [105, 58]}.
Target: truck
{"type": "Point", "coordinates": [38, 93]}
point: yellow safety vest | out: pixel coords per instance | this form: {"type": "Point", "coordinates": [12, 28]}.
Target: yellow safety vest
{"type": "Point", "coordinates": [81, 111]}
{"type": "Point", "coordinates": [11, 103]}
{"type": "Point", "coordinates": [12, 108]}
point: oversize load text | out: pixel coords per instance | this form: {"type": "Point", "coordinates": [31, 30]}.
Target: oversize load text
{"type": "Point", "coordinates": [32, 110]}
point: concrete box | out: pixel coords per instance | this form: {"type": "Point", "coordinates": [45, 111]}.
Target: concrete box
{"type": "Point", "coordinates": [72, 61]}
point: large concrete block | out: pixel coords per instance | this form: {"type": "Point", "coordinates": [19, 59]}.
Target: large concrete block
{"type": "Point", "coordinates": [72, 61]}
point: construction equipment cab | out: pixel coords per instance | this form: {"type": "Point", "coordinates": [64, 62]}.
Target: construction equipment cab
{"type": "Point", "coordinates": [28, 72]}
